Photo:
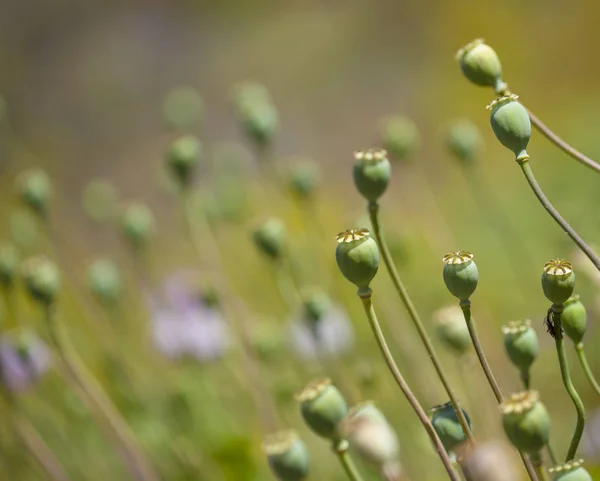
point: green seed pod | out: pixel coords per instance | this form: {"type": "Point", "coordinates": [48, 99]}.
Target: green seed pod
{"type": "Point", "coordinates": [452, 329]}
{"type": "Point", "coordinates": [447, 426]}
{"type": "Point", "coordinates": [323, 408]}
{"type": "Point", "coordinates": [104, 281]}
{"type": "Point", "coordinates": [315, 305]}
{"type": "Point", "coordinates": [248, 93]}
{"type": "Point", "coordinates": [209, 296]}
{"type": "Point", "coordinates": [182, 109]}
{"type": "Point", "coordinates": [100, 200]}
{"type": "Point", "coordinates": [481, 65]}
{"type": "Point", "coordinates": [35, 190]}
{"type": "Point", "coordinates": [511, 125]}
{"type": "Point", "coordinates": [526, 421]}
{"type": "Point", "coordinates": [400, 137]}
{"type": "Point", "coordinates": [138, 225]}
{"type": "Point", "coordinates": [571, 471]}
{"type": "Point", "coordinates": [357, 256]}
{"type": "Point", "coordinates": [520, 343]}
{"type": "Point", "coordinates": [372, 172]}
{"type": "Point", "coordinates": [558, 281]}
{"type": "Point", "coordinates": [261, 122]}
{"type": "Point", "coordinates": [460, 274]}
{"type": "Point", "coordinates": [270, 238]}
{"type": "Point", "coordinates": [574, 319]}
{"type": "Point", "coordinates": [41, 278]}
{"type": "Point", "coordinates": [304, 179]}
{"type": "Point", "coordinates": [9, 263]}
{"type": "Point", "coordinates": [464, 141]}
{"type": "Point", "coordinates": [287, 456]}
{"type": "Point", "coordinates": [182, 157]}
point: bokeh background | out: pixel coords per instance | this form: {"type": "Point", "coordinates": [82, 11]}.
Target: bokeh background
{"type": "Point", "coordinates": [84, 85]}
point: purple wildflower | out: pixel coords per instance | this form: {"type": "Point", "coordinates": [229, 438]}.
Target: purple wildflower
{"type": "Point", "coordinates": [23, 359]}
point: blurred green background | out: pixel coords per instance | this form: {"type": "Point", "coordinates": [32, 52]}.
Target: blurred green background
{"type": "Point", "coordinates": [84, 84]}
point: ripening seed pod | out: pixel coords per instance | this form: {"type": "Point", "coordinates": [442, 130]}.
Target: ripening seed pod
{"type": "Point", "coordinates": [104, 281]}
{"type": "Point", "coordinates": [481, 65]}
{"type": "Point", "coordinates": [571, 471]}
{"type": "Point", "coordinates": [209, 296]}
{"type": "Point", "coordinates": [372, 172]}
{"type": "Point", "coordinates": [460, 274]}
{"type": "Point", "coordinates": [574, 319]}
{"type": "Point", "coordinates": [464, 141]}
{"type": "Point", "coordinates": [400, 137]}
{"type": "Point", "coordinates": [9, 263]}
{"type": "Point", "coordinates": [558, 281]}
{"type": "Point", "coordinates": [520, 343]}
{"type": "Point", "coordinates": [490, 461]}
{"type": "Point", "coordinates": [35, 190]}
{"type": "Point", "coordinates": [511, 125]}
{"type": "Point", "coordinates": [452, 329]}
{"type": "Point", "coordinates": [100, 200]}
{"type": "Point", "coordinates": [315, 305]}
{"type": "Point", "coordinates": [447, 426]}
{"type": "Point", "coordinates": [182, 108]}
{"type": "Point", "coordinates": [304, 179]}
{"type": "Point", "coordinates": [182, 157]}
{"type": "Point", "coordinates": [138, 224]}
{"type": "Point", "coordinates": [323, 408]}
{"type": "Point", "coordinates": [526, 421]}
{"type": "Point", "coordinates": [287, 456]}
{"type": "Point", "coordinates": [41, 278]}
{"type": "Point", "coordinates": [357, 256]}
{"type": "Point", "coordinates": [261, 122]}
{"type": "Point", "coordinates": [270, 238]}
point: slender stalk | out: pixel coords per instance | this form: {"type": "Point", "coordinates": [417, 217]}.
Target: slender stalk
{"type": "Point", "coordinates": [566, 377]}
{"type": "Point", "coordinates": [586, 367]}
{"type": "Point", "coordinates": [403, 293]}
{"type": "Point", "coordinates": [556, 216]}
{"type": "Point", "coordinates": [341, 450]}
{"type": "Point", "coordinates": [466, 308]}
{"type": "Point", "coordinates": [135, 459]}
{"type": "Point", "coordinates": [389, 359]}
{"type": "Point", "coordinates": [538, 463]}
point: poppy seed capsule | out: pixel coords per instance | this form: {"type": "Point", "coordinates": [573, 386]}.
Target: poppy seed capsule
{"type": "Point", "coordinates": [448, 427]}
{"type": "Point", "coordinates": [323, 408]}
{"type": "Point", "coordinates": [41, 278]}
{"type": "Point", "coordinates": [481, 65]}
{"type": "Point", "coordinates": [304, 179]}
{"type": "Point", "coordinates": [182, 108]}
{"type": "Point", "coordinates": [261, 122]}
{"type": "Point", "coordinates": [571, 471]}
{"type": "Point", "coordinates": [138, 224]}
{"type": "Point", "coordinates": [9, 263]}
{"type": "Point", "coordinates": [357, 256]}
{"type": "Point", "coordinates": [452, 329]}
{"type": "Point", "coordinates": [270, 238]}
{"type": "Point", "coordinates": [104, 280]}
{"type": "Point", "coordinates": [520, 343]}
{"type": "Point", "coordinates": [511, 125]}
{"type": "Point", "coordinates": [526, 421]}
{"type": "Point", "coordinates": [464, 141]}
{"type": "Point", "coordinates": [460, 274]}
{"type": "Point", "coordinates": [182, 157]}
{"type": "Point", "coordinates": [400, 137]}
{"type": "Point", "coordinates": [315, 304]}
{"type": "Point", "coordinates": [574, 319]}
{"type": "Point", "coordinates": [372, 172]}
{"type": "Point", "coordinates": [558, 281]}
{"type": "Point", "coordinates": [287, 456]}
{"type": "Point", "coordinates": [35, 189]}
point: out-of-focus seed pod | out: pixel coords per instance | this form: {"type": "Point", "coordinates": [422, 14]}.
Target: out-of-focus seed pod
{"type": "Point", "coordinates": [315, 304]}
{"type": "Point", "coordinates": [489, 461]}
{"type": "Point", "coordinates": [182, 156]}
{"type": "Point", "coordinates": [558, 281]}
{"type": "Point", "coordinates": [287, 456]}
{"type": "Point", "coordinates": [447, 426]}
{"type": "Point", "coordinates": [481, 65]}
{"type": "Point", "coordinates": [183, 108]}
{"type": "Point", "coordinates": [460, 274]}
{"type": "Point", "coordinates": [104, 280]}
{"type": "Point", "coordinates": [511, 125]}
{"type": "Point", "coordinates": [571, 471]}
{"type": "Point", "coordinates": [269, 342]}
{"type": "Point", "coordinates": [304, 178]}
{"type": "Point", "coordinates": [35, 190]}
{"type": "Point", "coordinates": [526, 421]}
{"type": "Point", "coordinates": [520, 343]}
{"type": "Point", "coordinates": [464, 141]}
{"type": "Point", "coordinates": [42, 279]}
{"type": "Point", "coordinates": [574, 319]}
{"type": "Point", "coordinates": [372, 173]}
{"type": "Point", "coordinates": [323, 408]}
{"type": "Point", "coordinates": [138, 225]}
{"type": "Point", "coordinates": [400, 136]}
{"type": "Point", "coordinates": [256, 112]}
{"type": "Point", "coordinates": [24, 229]}
{"type": "Point", "coordinates": [9, 263]}
{"type": "Point", "coordinates": [452, 329]}
{"type": "Point", "coordinates": [357, 256]}
{"type": "Point", "coordinates": [270, 238]}
{"type": "Point", "coordinates": [100, 199]}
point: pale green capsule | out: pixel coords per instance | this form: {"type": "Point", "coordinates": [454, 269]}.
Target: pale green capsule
{"type": "Point", "coordinates": [511, 125]}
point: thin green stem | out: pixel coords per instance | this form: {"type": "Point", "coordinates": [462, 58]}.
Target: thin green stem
{"type": "Point", "coordinates": [586, 367]}
{"type": "Point", "coordinates": [389, 359]}
{"type": "Point", "coordinates": [538, 464]}
{"type": "Point", "coordinates": [566, 377]}
{"type": "Point", "coordinates": [556, 216]}
{"type": "Point", "coordinates": [403, 293]}
{"type": "Point", "coordinates": [341, 450]}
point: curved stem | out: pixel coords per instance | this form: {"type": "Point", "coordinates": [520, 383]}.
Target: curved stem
{"type": "Point", "coordinates": [566, 377]}
{"type": "Point", "coordinates": [556, 216]}
{"type": "Point", "coordinates": [341, 450]}
{"type": "Point", "coordinates": [389, 359]}
{"type": "Point", "coordinates": [561, 144]}
{"type": "Point", "coordinates": [403, 293]}
{"type": "Point", "coordinates": [586, 367]}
